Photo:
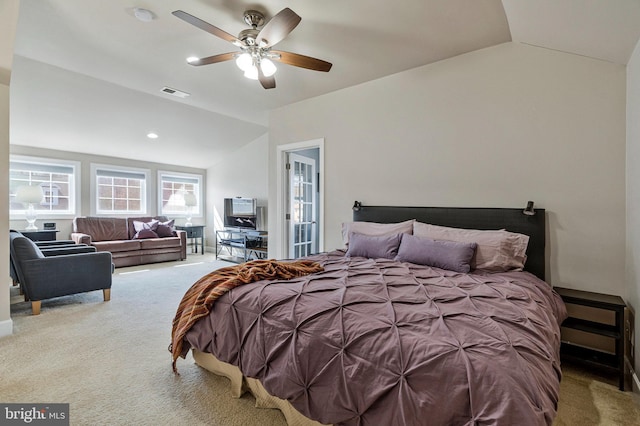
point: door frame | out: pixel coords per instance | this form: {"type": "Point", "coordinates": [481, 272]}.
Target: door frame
{"type": "Point", "coordinates": [282, 249]}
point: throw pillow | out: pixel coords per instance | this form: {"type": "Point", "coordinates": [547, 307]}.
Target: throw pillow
{"type": "Point", "coordinates": [375, 229]}
{"type": "Point", "coordinates": [373, 247]}
{"type": "Point", "coordinates": [145, 233]}
{"type": "Point", "coordinates": [450, 255]}
{"type": "Point", "coordinates": [498, 250]}
{"type": "Point", "coordinates": [151, 225]}
{"type": "Point", "coordinates": [166, 229]}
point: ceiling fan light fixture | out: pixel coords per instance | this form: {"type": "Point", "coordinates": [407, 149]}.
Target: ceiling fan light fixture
{"type": "Point", "coordinates": [268, 67]}
{"type": "Point", "coordinates": [256, 57]}
{"type": "Point", "coordinates": [192, 59]}
{"type": "Point", "coordinates": [251, 72]}
{"type": "Point", "coordinates": [244, 61]}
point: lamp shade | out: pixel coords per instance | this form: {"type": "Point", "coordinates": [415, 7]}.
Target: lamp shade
{"type": "Point", "coordinates": [244, 61]}
{"type": "Point", "coordinates": [27, 194]}
{"type": "Point", "coordinates": [190, 200]}
{"type": "Point", "coordinates": [268, 67]}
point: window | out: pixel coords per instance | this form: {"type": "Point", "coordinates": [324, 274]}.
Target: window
{"type": "Point", "coordinates": [119, 190]}
{"type": "Point", "coordinates": [173, 187]}
{"type": "Point", "coordinates": [57, 179]}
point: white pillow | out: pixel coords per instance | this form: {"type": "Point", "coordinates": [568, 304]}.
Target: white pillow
{"type": "Point", "coordinates": [375, 229]}
{"type": "Point", "coordinates": [498, 250]}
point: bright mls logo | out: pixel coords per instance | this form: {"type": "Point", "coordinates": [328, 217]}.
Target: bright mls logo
{"type": "Point", "coordinates": [34, 414]}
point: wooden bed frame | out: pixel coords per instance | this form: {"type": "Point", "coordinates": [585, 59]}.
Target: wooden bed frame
{"type": "Point", "coordinates": [513, 220]}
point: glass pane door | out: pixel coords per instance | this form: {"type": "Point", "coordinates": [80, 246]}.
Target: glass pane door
{"type": "Point", "coordinates": [302, 187]}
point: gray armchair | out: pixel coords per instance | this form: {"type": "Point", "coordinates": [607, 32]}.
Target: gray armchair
{"type": "Point", "coordinates": [49, 248]}
{"type": "Point", "coordinates": [44, 276]}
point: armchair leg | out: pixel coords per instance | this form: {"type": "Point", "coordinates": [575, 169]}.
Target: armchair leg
{"type": "Point", "coordinates": [107, 294]}
{"type": "Point", "coordinates": [35, 307]}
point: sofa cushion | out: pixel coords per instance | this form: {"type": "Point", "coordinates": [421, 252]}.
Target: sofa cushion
{"type": "Point", "coordinates": [117, 246]}
{"type": "Point", "coordinates": [154, 243]}
{"type": "Point", "coordinates": [102, 228]}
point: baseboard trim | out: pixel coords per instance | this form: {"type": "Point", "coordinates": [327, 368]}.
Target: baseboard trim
{"type": "Point", "coordinates": [634, 375]}
{"type": "Point", "coordinates": [6, 327]}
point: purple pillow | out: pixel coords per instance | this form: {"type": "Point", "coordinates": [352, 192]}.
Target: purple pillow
{"type": "Point", "coordinates": [139, 226]}
{"type": "Point", "coordinates": [373, 247]}
{"type": "Point", "coordinates": [450, 255]}
{"type": "Point", "coordinates": [145, 233]}
{"type": "Point", "coordinates": [166, 229]}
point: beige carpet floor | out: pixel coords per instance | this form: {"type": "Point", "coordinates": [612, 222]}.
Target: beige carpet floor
{"type": "Point", "coordinates": [110, 361]}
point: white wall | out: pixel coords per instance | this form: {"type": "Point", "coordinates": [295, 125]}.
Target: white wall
{"type": "Point", "coordinates": [633, 192]}
{"type": "Point", "coordinates": [6, 326]}
{"type": "Point", "coordinates": [240, 174]}
{"type": "Point", "coordinates": [8, 20]}
{"type": "Point", "coordinates": [493, 128]}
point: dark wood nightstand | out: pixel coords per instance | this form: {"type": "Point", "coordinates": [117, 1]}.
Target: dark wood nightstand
{"type": "Point", "coordinates": [194, 232]}
{"type": "Point", "coordinates": [41, 234]}
{"type": "Point", "coordinates": [592, 356]}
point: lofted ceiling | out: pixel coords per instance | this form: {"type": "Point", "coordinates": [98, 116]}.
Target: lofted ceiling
{"type": "Point", "coordinates": [87, 75]}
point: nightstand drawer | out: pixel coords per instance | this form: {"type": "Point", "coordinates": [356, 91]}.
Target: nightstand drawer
{"type": "Point", "coordinates": [193, 232]}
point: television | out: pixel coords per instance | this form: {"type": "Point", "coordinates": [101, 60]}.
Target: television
{"type": "Point", "coordinates": [240, 212]}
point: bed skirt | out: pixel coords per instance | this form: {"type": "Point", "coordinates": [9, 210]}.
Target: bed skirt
{"type": "Point", "coordinates": [241, 384]}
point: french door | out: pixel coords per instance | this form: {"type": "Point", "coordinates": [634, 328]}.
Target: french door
{"type": "Point", "coordinates": [302, 206]}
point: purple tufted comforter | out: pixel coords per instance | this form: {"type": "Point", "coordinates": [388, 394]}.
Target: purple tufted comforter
{"type": "Point", "coordinates": [380, 342]}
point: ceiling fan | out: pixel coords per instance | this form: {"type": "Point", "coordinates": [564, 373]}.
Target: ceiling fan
{"type": "Point", "coordinates": [256, 54]}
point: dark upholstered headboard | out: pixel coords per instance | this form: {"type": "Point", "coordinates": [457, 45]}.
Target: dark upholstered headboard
{"type": "Point", "coordinates": [512, 220]}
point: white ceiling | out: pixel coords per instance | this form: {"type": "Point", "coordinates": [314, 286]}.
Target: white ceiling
{"type": "Point", "coordinates": [87, 75]}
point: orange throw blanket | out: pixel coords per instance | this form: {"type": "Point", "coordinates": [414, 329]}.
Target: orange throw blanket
{"type": "Point", "coordinates": [197, 301]}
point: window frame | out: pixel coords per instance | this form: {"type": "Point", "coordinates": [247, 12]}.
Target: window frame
{"type": "Point", "coordinates": [144, 190]}
{"type": "Point", "coordinates": [199, 211]}
{"type": "Point", "coordinates": [75, 192]}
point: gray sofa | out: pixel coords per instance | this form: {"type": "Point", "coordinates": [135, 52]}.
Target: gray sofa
{"type": "Point", "coordinates": [118, 236]}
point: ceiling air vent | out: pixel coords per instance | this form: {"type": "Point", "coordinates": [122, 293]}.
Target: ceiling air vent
{"type": "Point", "coordinates": [175, 92]}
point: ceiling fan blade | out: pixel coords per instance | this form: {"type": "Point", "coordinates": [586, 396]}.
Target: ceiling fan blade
{"type": "Point", "coordinates": [267, 82]}
{"type": "Point", "coordinates": [301, 61]}
{"type": "Point", "coordinates": [278, 28]}
{"type": "Point", "coordinates": [207, 27]}
{"type": "Point", "coordinates": [213, 59]}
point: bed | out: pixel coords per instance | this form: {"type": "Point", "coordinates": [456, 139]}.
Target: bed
{"type": "Point", "coordinates": [384, 341]}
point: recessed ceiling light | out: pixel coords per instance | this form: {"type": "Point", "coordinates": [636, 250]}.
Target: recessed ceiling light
{"type": "Point", "coordinates": [143, 15]}
{"type": "Point", "coordinates": [191, 59]}
{"type": "Point", "coordinates": [152, 135]}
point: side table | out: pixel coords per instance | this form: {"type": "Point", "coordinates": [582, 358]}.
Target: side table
{"type": "Point", "coordinates": [194, 232]}
{"type": "Point", "coordinates": [591, 356]}
{"type": "Point", "coordinates": [41, 234]}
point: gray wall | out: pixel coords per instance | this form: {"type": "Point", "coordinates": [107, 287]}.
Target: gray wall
{"type": "Point", "coordinates": [493, 128]}
{"type": "Point", "coordinates": [633, 191]}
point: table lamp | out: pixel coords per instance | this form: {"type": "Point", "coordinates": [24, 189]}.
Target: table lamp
{"type": "Point", "coordinates": [30, 195]}
{"type": "Point", "coordinates": [190, 202]}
